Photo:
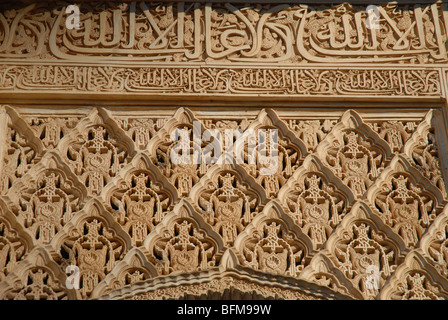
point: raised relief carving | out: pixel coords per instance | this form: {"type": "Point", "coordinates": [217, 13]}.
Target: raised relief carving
{"type": "Point", "coordinates": [149, 223]}
{"type": "Point", "coordinates": [354, 153]}
{"type": "Point", "coordinates": [14, 244]}
{"type": "Point", "coordinates": [424, 151]}
{"type": "Point", "coordinates": [434, 243]}
{"type": "Point", "coordinates": [141, 129]}
{"type": "Point", "coordinates": [92, 242]}
{"type": "Point", "coordinates": [396, 133]}
{"type": "Point", "coordinates": [182, 32]}
{"type": "Point", "coordinates": [273, 244]}
{"type": "Point", "coordinates": [49, 196]}
{"type": "Point", "coordinates": [20, 148]}
{"type": "Point", "coordinates": [183, 243]}
{"type": "Point", "coordinates": [415, 280]}
{"type": "Point", "coordinates": [311, 132]}
{"type": "Point", "coordinates": [216, 34]}
{"type": "Point", "coordinates": [133, 268]}
{"type": "Point", "coordinates": [37, 278]}
{"type": "Point", "coordinates": [228, 200]}
{"type": "Point", "coordinates": [178, 137]}
{"type": "Point", "coordinates": [284, 152]}
{"type": "Point", "coordinates": [405, 200]}
{"type": "Point", "coordinates": [323, 272]}
{"type": "Point", "coordinates": [365, 250]}
{"type": "Point", "coordinates": [137, 201]}
{"type": "Point", "coordinates": [315, 203]}
{"type": "Point", "coordinates": [287, 82]}
{"type": "Point", "coordinates": [96, 150]}
{"type": "Point", "coordinates": [51, 130]}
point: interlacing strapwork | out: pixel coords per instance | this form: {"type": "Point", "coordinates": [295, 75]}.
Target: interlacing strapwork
{"type": "Point", "coordinates": [357, 204]}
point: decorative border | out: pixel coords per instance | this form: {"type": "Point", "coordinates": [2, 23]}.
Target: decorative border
{"type": "Point", "coordinates": [223, 81]}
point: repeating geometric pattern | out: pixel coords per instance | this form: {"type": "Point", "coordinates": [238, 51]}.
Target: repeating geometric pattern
{"type": "Point", "coordinates": [98, 191]}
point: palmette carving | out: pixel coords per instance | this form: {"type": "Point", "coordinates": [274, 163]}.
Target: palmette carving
{"type": "Point", "coordinates": [269, 244]}
{"type": "Point", "coordinates": [94, 153]}
{"type": "Point", "coordinates": [354, 153]}
{"type": "Point", "coordinates": [47, 208]}
{"type": "Point", "coordinates": [315, 204]}
{"type": "Point", "coordinates": [228, 203]}
{"type": "Point", "coordinates": [396, 133]}
{"type": "Point", "coordinates": [147, 225]}
{"type": "Point", "coordinates": [138, 202]}
{"type": "Point", "coordinates": [92, 244]}
{"type": "Point", "coordinates": [181, 244]}
{"type": "Point", "coordinates": [52, 130]}
{"type": "Point", "coordinates": [406, 206]}
{"type": "Point", "coordinates": [277, 154]}
{"type": "Point", "coordinates": [365, 250]}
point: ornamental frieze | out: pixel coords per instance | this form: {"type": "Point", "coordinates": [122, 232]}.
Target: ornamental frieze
{"type": "Point", "coordinates": [225, 32]}
{"type": "Point", "coordinates": [223, 150]}
{"type": "Point", "coordinates": [222, 80]}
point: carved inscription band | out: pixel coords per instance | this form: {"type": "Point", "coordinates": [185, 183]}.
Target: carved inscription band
{"type": "Point", "coordinates": [214, 49]}
{"type": "Point", "coordinates": [224, 80]}
{"type": "Point", "coordinates": [215, 33]}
